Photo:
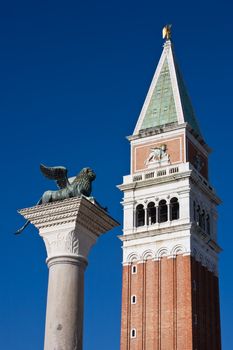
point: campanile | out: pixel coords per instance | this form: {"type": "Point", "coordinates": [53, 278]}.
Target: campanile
{"type": "Point", "coordinates": [170, 292]}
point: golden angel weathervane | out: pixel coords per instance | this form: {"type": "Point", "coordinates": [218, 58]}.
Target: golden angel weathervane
{"type": "Point", "coordinates": [167, 33]}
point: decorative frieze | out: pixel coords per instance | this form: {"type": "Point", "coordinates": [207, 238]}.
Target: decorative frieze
{"type": "Point", "coordinates": [170, 248]}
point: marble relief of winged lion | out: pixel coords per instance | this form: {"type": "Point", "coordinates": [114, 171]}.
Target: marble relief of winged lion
{"type": "Point", "coordinates": [78, 186]}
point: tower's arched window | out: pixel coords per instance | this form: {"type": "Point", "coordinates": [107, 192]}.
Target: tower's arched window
{"type": "Point", "coordinates": [194, 211]}
{"type": "Point", "coordinates": [202, 223]}
{"type": "Point", "coordinates": [133, 333]}
{"type": "Point", "coordinates": [162, 211]}
{"type": "Point", "coordinates": [174, 209]}
{"type": "Point", "coordinates": [208, 224]}
{"type": "Point", "coordinates": [151, 213]}
{"type": "Point", "coordinates": [198, 215]}
{"type": "Point", "coordinates": [140, 215]}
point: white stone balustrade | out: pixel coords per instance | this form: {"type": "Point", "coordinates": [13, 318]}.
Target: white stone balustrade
{"type": "Point", "coordinates": [166, 171]}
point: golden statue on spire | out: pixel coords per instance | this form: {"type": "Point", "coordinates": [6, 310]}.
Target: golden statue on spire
{"type": "Point", "coordinates": [167, 33]}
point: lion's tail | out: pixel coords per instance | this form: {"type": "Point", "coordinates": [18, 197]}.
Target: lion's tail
{"type": "Point", "coordinates": [27, 222]}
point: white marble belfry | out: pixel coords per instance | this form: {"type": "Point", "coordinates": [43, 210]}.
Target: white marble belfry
{"type": "Point", "coordinates": [69, 229]}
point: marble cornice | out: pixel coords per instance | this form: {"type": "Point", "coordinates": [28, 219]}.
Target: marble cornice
{"type": "Point", "coordinates": [77, 210]}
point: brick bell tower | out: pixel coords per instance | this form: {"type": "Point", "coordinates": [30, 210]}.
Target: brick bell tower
{"type": "Point", "coordinates": [170, 293]}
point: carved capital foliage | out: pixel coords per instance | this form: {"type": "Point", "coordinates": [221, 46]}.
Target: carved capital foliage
{"type": "Point", "coordinates": [72, 242]}
{"type": "Point", "coordinates": [68, 243]}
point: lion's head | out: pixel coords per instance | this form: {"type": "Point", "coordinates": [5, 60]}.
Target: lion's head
{"type": "Point", "coordinates": [84, 180]}
{"type": "Point", "coordinates": [88, 172]}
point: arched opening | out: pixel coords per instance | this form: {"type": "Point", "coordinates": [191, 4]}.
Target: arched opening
{"type": "Point", "coordinates": [174, 209]}
{"type": "Point", "coordinates": [133, 333]}
{"type": "Point", "coordinates": [198, 215]}
{"type": "Point", "coordinates": [194, 211]}
{"type": "Point", "coordinates": [151, 213]}
{"type": "Point", "coordinates": [134, 269]}
{"type": "Point", "coordinates": [202, 224]}
{"type": "Point", "coordinates": [162, 211]}
{"type": "Point", "coordinates": [133, 299]}
{"type": "Point", "coordinates": [208, 224]}
{"type": "Point", "coordinates": [140, 215]}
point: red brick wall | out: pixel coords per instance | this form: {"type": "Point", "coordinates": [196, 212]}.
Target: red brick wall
{"type": "Point", "coordinates": [206, 333]}
{"type": "Point", "coordinates": [177, 306]}
{"type": "Point", "coordinates": [192, 152]}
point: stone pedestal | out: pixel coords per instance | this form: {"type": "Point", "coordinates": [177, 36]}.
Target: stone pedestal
{"type": "Point", "coordinates": [69, 229]}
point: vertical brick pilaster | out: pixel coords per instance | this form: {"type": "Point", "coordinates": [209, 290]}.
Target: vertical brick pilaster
{"type": "Point", "coordinates": [201, 316]}
{"type": "Point", "coordinates": [217, 313]}
{"type": "Point", "coordinates": [175, 304]}
{"type": "Point", "coordinates": [167, 306]}
{"type": "Point", "coordinates": [212, 314]}
{"type": "Point", "coordinates": [125, 311]}
{"type": "Point", "coordinates": [208, 307]}
{"type": "Point", "coordinates": [137, 288]}
{"type": "Point", "coordinates": [150, 305]}
{"type": "Point", "coordinates": [184, 303]}
{"type": "Point", "coordinates": [194, 286]}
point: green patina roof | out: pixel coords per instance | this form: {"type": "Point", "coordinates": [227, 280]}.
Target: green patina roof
{"type": "Point", "coordinates": [189, 114]}
{"type": "Point", "coordinates": [161, 109]}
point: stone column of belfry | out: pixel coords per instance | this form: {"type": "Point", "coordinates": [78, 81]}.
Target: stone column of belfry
{"type": "Point", "coordinates": [69, 229]}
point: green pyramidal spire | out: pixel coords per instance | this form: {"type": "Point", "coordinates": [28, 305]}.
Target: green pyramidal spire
{"type": "Point", "coordinates": [161, 109]}
{"type": "Point", "coordinates": [167, 100]}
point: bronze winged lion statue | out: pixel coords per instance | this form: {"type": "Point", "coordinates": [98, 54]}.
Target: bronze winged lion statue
{"type": "Point", "coordinates": [81, 185]}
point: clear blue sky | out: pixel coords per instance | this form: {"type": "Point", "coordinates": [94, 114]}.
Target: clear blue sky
{"type": "Point", "coordinates": [73, 77]}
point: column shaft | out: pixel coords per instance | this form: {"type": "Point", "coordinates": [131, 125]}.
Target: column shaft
{"type": "Point", "coordinates": [64, 316]}
{"type": "Point", "coordinates": [69, 228]}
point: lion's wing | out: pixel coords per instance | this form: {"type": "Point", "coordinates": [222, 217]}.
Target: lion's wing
{"type": "Point", "coordinates": [57, 173]}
